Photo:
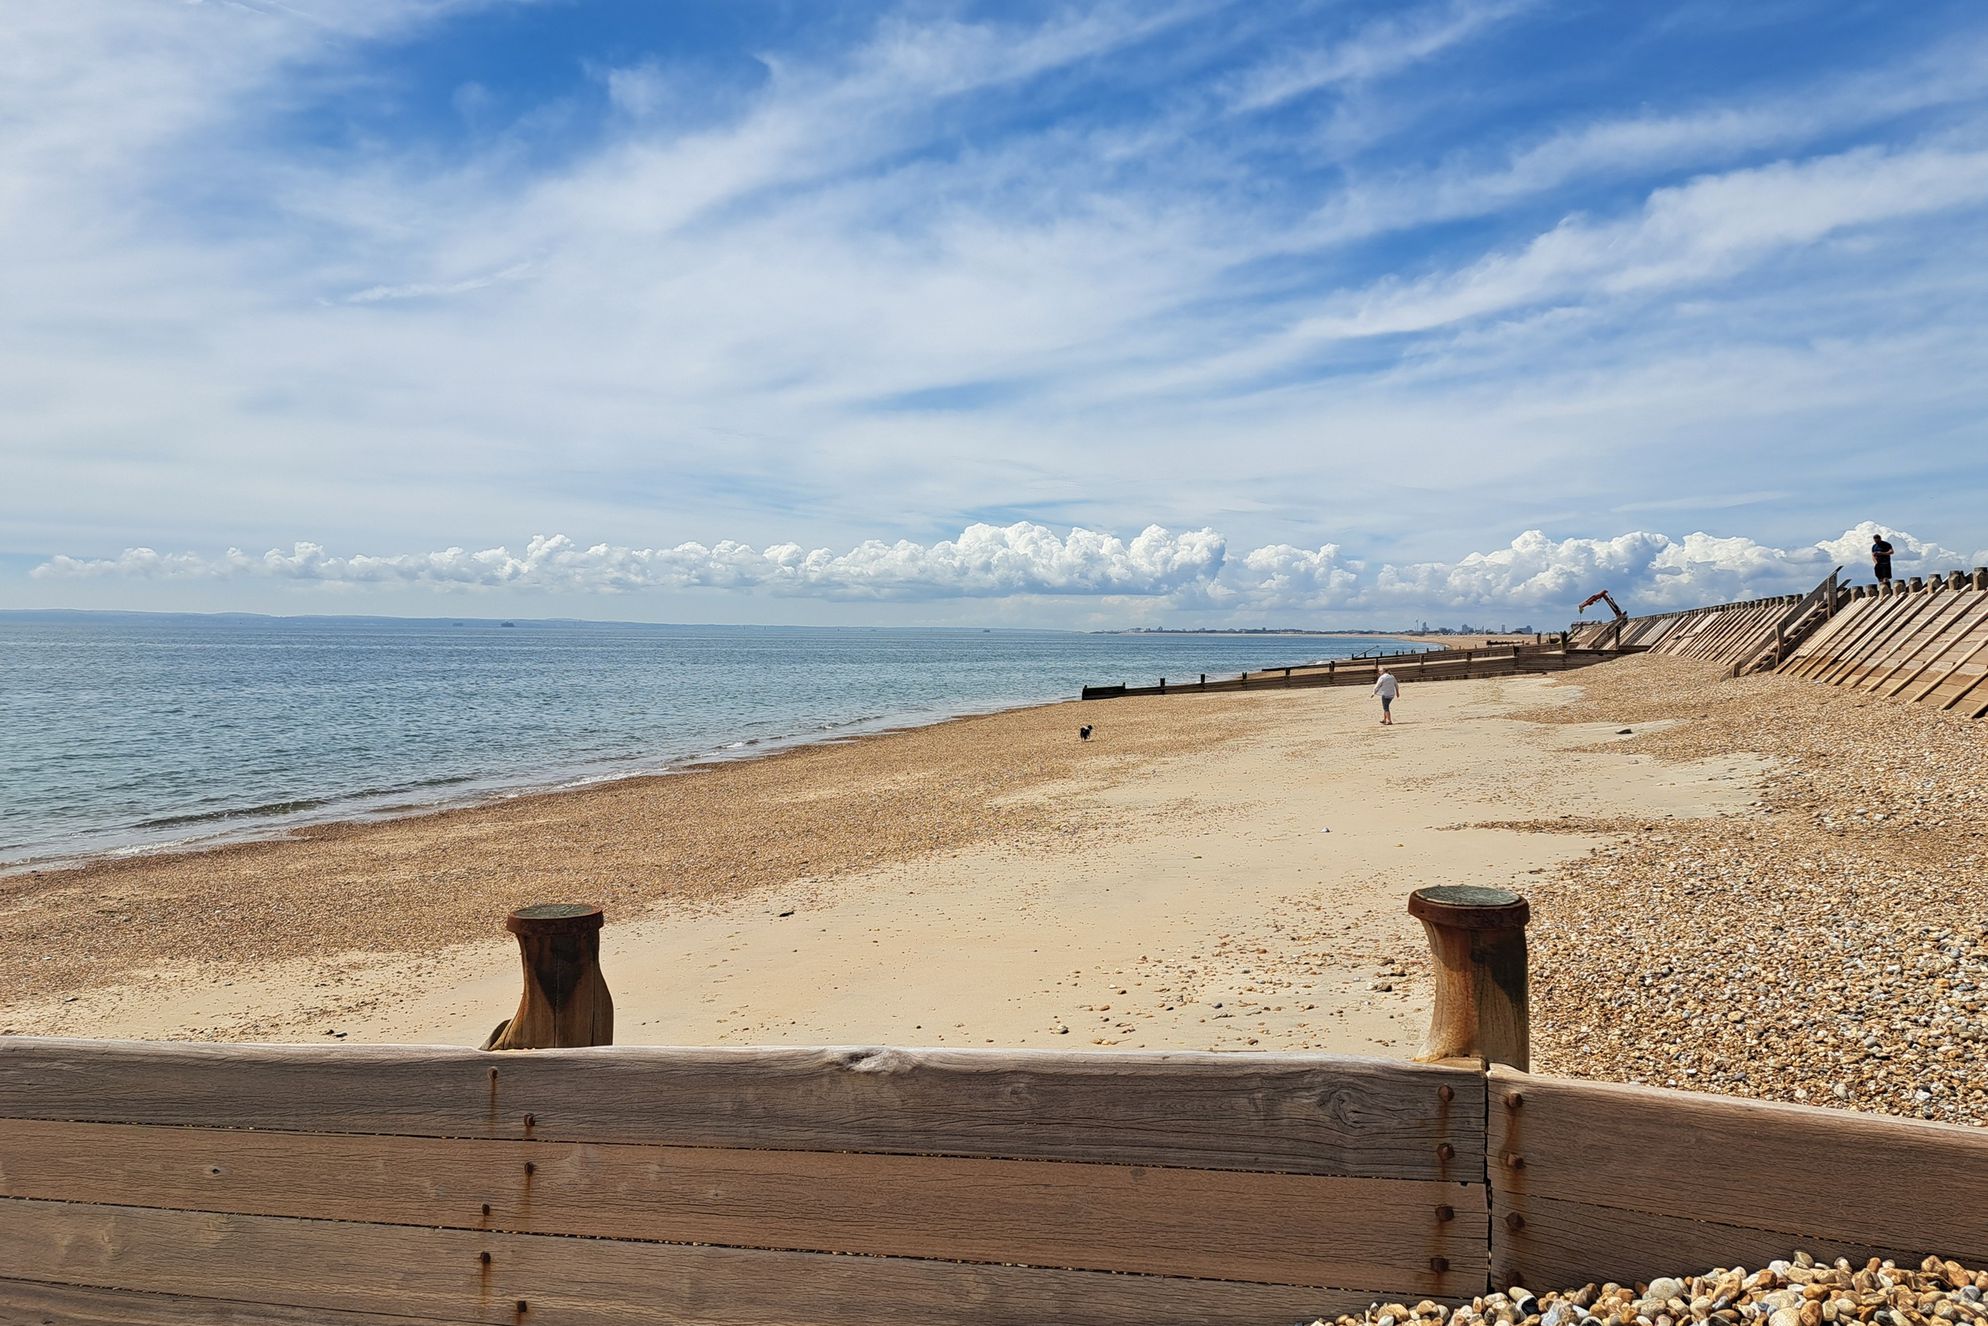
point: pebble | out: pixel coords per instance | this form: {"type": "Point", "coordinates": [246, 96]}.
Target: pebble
{"type": "Point", "coordinates": [1804, 948]}
{"type": "Point", "coordinates": [1799, 1291]}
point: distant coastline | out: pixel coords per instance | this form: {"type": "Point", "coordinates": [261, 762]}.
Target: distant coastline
{"type": "Point", "coordinates": [1391, 633]}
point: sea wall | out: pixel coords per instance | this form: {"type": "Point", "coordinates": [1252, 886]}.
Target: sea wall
{"type": "Point", "coordinates": [1924, 639]}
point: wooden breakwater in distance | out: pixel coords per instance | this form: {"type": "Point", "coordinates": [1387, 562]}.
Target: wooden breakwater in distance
{"type": "Point", "coordinates": [1500, 660]}
{"type": "Point", "coordinates": [1923, 639]}
{"type": "Point", "coordinates": [273, 1185]}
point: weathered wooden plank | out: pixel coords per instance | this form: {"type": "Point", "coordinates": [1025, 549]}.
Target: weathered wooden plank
{"type": "Point", "coordinates": [1897, 617]}
{"type": "Point", "coordinates": [1558, 1244]}
{"type": "Point", "coordinates": [1952, 645]}
{"type": "Point", "coordinates": [31, 1303]}
{"type": "Point", "coordinates": [1909, 655]}
{"type": "Point", "coordinates": [1898, 649]}
{"type": "Point", "coordinates": [444, 1274]}
{"type": "Point", "coordinates": [1967, 651]}
{"type": "Point", "coordinates": [1845, 620]}
{"type": "Point", "coordinates": [1814, 652]}
{"type": "Point", "coordinates": [1215, 1224]}
{"type": "Point", "coordinates": [1955, 686]}
{"type": "Point", "coordinates": [1295, 1113]}
{"type": "Point", "coordinates": [1740, 1162]}
{"type": "Point", "coordinates": [1875, 625]}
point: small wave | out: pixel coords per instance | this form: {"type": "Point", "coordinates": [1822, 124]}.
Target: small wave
{"type": "Point", "coordinates": [298, 805]}
{"type": "Point", "coordinates": [236, 812]}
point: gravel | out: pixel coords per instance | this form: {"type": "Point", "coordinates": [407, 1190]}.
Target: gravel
{"type": "Point", "coordinates": [1829, 946]}
{"type": "Point", "coordinates": [772, 825]}
{"type": "Point", "coordinates": [1797, 1292]}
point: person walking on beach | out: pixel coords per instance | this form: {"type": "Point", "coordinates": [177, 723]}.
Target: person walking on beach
{"type": "Point", "coordinates": [1881, 558]}
{"type": "Point", "coordinates": [1387, 688]}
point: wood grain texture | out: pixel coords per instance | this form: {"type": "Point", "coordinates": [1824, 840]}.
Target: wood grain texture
{"type": "Point", "coordinates": [1304, 1114]}
{"type": "Point", "coordinates": [1895, 650]}
{"type": "Point", "coordinates": [1801, 1172]}
{"type": "Point", "coordinates": [1966, 651]}
{"type": "Point", "coordinates": [1918, 647]}
{"type": "Point", "coordinates": [1837, 627]}
{"type": "Point", "coordinates": [1564, 1244]}
{"type": "Point", "coordinates": [1860, 654]}
{"type": "Point", "coordinates": [441, 1275]}
{"type": "Point", "coordinates": [1215, 1224]}
{"type": "Point", "coordinates": [32, 1303]}
{"type": "Point", "coordinates": [1940, 655]}
{"type": "Point", "coordinates": [1884, 613]}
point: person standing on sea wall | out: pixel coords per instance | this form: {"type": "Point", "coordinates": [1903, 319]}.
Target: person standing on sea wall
{"type": "Point", "coordinates": [1387, 688]}
{"type": "Point", "coordinates": [1881, 557]}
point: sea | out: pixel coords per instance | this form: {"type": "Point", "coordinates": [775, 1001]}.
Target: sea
{"type": "Point", "coordinates": [138, 732]}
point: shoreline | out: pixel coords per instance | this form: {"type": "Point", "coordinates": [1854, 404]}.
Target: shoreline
{"type": "Point", "coordinates": [1724, 897]}
{"type": "Point", "coordinates": [473, 791]}
{"type": "Point", "coordinates": [342, 812]}
{"type": "Point", "coordinates": [1215, 872]}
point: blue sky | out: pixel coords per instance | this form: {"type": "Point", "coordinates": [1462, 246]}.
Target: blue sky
{"type": "Point", "coordinates": [1008, 313]}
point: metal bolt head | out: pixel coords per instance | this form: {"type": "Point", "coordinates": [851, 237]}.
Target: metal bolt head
{"type": "Point", "coordinates": [1446, 1213]}
{"type": "Point", "coordinates": [1514, 1099]}
{"type": "Point", "coordinates": [1439, 1263]}
{"type": "Point", "coordinates": [1444, 1151]}
{"type": "Point", "coordinates": [1445, 1094]}
{"type": "Point", "coordinates": [1515, 1160]}
{"type": "Point", "coordinates": [1515, 1221]}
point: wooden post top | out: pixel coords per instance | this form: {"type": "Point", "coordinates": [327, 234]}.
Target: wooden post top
{"type": "Point", "coordinates": [1469, 907]}
{"type": "Point", "coordinates": [554, 918]}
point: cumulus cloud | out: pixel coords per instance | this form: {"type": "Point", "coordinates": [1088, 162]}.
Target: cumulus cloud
{"type": "Point", "coordinates": [984, 561]}
{"type": "Point", "coordinates": [1533, 573]}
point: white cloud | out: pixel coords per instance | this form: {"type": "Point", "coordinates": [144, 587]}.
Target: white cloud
{"type": "Point", "coordinates": [1646, 571]}
{"type": "Point", "coordinates": [1652, 140]}
{"type": "Point", "coordinates": [1688, 234]}
{"type": "Point", "coordinates": [1376, 50]}
{"type": "Point", "coordinates": [985, 561]}
{"type": "Point", "coordinates": [952, 271]}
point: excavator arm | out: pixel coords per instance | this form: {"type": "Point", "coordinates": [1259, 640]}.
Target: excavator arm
{"type": "Point", "coordinates": [1603, 596]}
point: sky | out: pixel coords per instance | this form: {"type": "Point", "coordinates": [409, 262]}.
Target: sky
{"type": "Point", "coordinates": [1176, 312]}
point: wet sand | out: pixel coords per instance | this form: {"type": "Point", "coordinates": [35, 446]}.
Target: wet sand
{"type": "Point", "coordinates": [1212, 872]}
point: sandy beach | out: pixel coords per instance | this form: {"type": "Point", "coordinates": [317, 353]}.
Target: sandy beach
{"type": "Point", "coordinates": [1210, 872]}
{"type": "Point", "coordinates": [1721, 900]}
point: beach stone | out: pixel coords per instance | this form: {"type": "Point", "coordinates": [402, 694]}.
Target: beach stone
{"type": "Point", "coordinates": [1664, 1288]}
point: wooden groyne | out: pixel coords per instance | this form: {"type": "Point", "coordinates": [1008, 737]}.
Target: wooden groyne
{"type": "Point", "coordinates": [1923, 639]}
{"type": "Point", "coordinates": [1927, 643]}
{"type": "Point", "coordinates": [1501, 660]}
{"type": "Point", "coordinates": [277, 1185]}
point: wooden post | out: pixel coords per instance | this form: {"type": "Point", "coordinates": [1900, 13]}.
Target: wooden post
{"type": "Point", "coordinates": [1478, 939]}
{"type": "Point", "coordinates": [1956, 580]}
{"type": "Point", "coordinates": [1204, 679]}
{"type": "Point", "coordinates": [566, 1002]}
{"type": "Point", "coordinates": [1916, 583]}
{"type": "Point", "coordinates": [1981, 577]}
{"type": "Point", "coordinates": [1163, 686]}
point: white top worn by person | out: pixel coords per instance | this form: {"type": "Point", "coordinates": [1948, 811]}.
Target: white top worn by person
{"type": "Point", "coordinates": [1387, 688]}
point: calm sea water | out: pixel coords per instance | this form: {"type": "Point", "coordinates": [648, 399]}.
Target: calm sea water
{"type": "Point", "coordinates": [123, 733]}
